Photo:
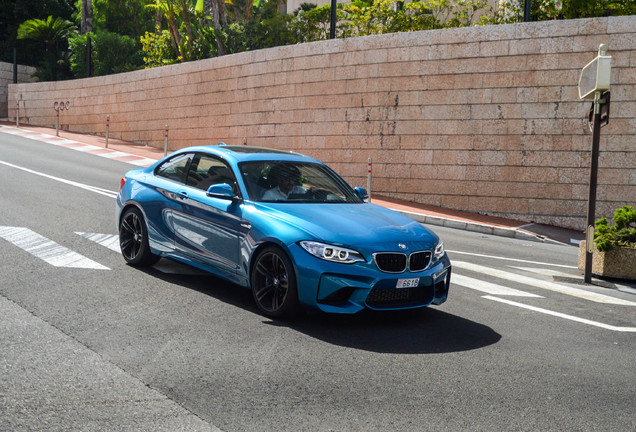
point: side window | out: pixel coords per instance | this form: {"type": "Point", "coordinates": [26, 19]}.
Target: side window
{"type": "Point", "coordinates": [207, 170]}
{"type": "Point", "coordinates": [175, 168]}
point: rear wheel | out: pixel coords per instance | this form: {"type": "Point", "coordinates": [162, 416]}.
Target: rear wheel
{"type": "Point", "coordinates": [133, 239]}
{"type": "Point", "coordinates": [274, 283]}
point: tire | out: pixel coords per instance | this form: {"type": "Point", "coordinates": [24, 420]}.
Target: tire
{"type": "Point", "coordinates": [133, 239]}
{"type": "Point", "coordinates": [274, 284]}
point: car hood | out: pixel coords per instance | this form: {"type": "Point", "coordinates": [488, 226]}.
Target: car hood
{"type": "Point", "coordinates": [366, 225]}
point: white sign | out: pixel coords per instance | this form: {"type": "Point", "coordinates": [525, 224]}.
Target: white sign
{"type": "Point", "coordinates": [595, 76]}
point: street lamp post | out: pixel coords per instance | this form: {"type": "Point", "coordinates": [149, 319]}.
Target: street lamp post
{"type": "Point", "coordinates": [594, 83]}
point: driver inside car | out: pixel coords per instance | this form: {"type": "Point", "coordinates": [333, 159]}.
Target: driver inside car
{"type": "Point", "coordinates": [286, 177]}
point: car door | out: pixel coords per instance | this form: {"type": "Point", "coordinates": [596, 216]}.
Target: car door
{"type": "Point", "coordinates": [162, 200]}
{"type": "Point", "coordinates": [210, 229]}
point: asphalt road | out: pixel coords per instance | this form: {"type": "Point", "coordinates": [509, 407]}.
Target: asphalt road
{"type": "Point", "coordinates": [520, 345]}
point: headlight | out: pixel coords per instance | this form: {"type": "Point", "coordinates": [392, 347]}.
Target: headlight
{"type": "Point", "coordinates": [331, 253]}
{"type": "Point", "coordinates": [439, 250]}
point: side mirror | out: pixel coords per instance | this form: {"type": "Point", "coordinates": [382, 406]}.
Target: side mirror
{"type": "Point", "coordinates": [362, 193]}
{"type": "Point", "coordinates": [221, 191]}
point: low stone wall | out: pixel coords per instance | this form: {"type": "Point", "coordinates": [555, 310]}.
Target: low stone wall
{"type": "Point", "coordinates": [6, 77]}
{"type": "Point", "coordinates": [484, 119]}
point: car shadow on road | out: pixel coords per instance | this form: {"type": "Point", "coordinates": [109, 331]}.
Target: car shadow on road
{"type": "Point", "coordinates": [416, 331]}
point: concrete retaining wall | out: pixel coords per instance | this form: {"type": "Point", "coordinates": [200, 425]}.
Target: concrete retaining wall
{"type": "Point", "coordinates": [6, 78]}
{"type": "Point", "coordinates": [485, 119]}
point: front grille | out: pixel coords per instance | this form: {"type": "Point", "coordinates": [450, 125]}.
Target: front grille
{"type": "Point", "coordinates": [391, 262]}
{"type": "Point", "coordinates": [396, 262]}
{"type": "Point", "coordinates": [400, 297]}
{"type": "Point", "coordinates": [419, 260]}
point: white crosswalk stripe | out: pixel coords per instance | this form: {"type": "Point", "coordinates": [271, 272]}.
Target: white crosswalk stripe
{"type": "Point", "coordinates": [111, 241]}
{"type": "Point", "coordinates": [488, 287]}
{"type": "Point", "coordinates": [47, 250]}
{"type": "Point", "coordinates": [564, 316]}
{"type": "Point", "coordinates": [543, 284]}
{"type": "Point", "coordinates": [543, 271]}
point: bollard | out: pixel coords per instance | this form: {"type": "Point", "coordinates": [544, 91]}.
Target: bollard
{"type": "Point", "coordinates": [17, 115]}
{"type": "Point", "coordinates": [165, 143]}
{"type": "Point", "coordinates": [57, 122]}
{"type": "Point", "coordinates": [107, 127]}
{"type": "Point", "coordinates": [244, 140]}
{"type": "Point", "coordinates": [369, 179]}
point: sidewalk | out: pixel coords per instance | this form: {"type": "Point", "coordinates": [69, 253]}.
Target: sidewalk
{"type": "Point", "coordinates": [420, 212]}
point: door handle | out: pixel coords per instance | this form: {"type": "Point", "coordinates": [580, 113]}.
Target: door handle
{"type": "Point", "coordinates": [182, 195]}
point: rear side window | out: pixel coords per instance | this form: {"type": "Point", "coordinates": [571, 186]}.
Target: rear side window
{"type": "Point", "coordinates": [175, 168]}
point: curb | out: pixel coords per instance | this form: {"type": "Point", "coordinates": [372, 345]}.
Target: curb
{"type": "Point", "coordinates": [477, 227]}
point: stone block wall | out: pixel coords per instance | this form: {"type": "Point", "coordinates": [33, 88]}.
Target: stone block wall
{"type": "Point", "coordinates": [484, 119]}
{"type": "Point", "coordinates": [6, 78]}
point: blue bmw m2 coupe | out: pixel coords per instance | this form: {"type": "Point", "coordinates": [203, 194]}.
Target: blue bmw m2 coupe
{"type": "Point", "coordinates": [283, 225]}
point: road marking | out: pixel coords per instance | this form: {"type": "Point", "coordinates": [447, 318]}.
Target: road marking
{"type": "Point", "coordinates": [544, 272]}
{"type": "Point", "coordinates": [47, 250]}
{"type": "Point", "coordinates": [75, 145]}
{"type": "Point", "coordinates": [95, 189]}
{"type": "Point", "coordinates": [562, 315]}
{"type": "Point", "coordinates": [111, 241]}
{"type": "Point", "coordinates": [551, 286]}
{"type": "Point", "coordinates": [488, 287]}
{"type": "Point", "coordinates": [511, 259]}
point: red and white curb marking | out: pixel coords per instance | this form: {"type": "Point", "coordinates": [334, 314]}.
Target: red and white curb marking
{"type": "Point", "coordinates": [75, 145]}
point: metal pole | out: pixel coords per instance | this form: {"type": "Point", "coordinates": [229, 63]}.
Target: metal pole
{"type": "Point", "coordinates": [332, 28]}
{"type": "Point", "coordinates": [17, 114]}
{"type": "Point", "coordinates": [15, 66]}
{"type": "Point", "coordinates": [591, 208]}
{"type": "Point", "coordinates": [369, 172]}
{"type": "Point", "coordinates": [57, 123]}
{"type": "Point", "coordinates": [165, 143]}
{"type": "Point", "coordinates": [107, 128]}
{"type": "Point", "coordinates": [526, 11]}
{"type": "Point", "coordinates": [89, 65]}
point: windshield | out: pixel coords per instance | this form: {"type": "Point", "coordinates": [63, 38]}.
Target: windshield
{"type": "Point", "coordinates": [297, 182]}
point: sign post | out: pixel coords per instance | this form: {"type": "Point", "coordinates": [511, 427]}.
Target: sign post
{"type": "Point", "coordinates": [56, 107]}
{"type": "Point", "coordinates": [59, 106]}
{"type": "Point", "coordinates": [107, 128]}
{"type": "Point", "coordinates": [594, 83]}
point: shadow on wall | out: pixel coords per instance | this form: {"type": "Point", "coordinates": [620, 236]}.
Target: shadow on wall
{"type": "Point", "coordinates": [6, 77]}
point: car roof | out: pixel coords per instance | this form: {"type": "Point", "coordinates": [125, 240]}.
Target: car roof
{"type": "Point", "coordinates": [242, 153]}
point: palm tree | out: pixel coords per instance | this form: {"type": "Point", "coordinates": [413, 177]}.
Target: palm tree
{"type": "Point", "coordinates": [87, 16]}
{"type": "Point", "coordinates": [211, 8]}
{"type": "Point", "coordinates": [50, 32]}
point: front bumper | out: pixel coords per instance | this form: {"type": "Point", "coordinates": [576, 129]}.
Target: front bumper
{"type": "Point", "coordinates": [341, 288]}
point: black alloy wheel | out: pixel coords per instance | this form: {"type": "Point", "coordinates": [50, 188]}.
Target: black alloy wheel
{"type": "Point", "coordinates": [133, 239]}
{"type": "Point", "coordinates": [274, 283]}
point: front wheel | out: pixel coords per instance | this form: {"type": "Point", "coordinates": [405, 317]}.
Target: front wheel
{"type": "Point", "coordinates": [274, 283]}
{"type": "Point", "coordinates": [133, 239]}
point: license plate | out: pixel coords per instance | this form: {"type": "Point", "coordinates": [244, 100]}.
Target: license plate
{"type": "Point", "coordinates": [408, 283]}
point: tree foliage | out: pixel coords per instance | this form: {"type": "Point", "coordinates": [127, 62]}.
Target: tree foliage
{"type": "Point", "coordinates": [50, 32]}
{"type": "Point", "coordinates": [111, 53]}
{"type": "Point", "coordinates": [171, 31]}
